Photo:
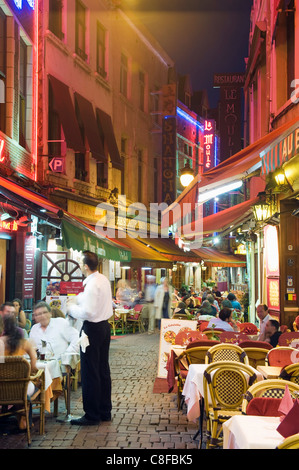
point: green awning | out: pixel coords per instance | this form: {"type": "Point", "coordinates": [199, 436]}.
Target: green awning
{"type": "Point", "coordinates": [78, 237]}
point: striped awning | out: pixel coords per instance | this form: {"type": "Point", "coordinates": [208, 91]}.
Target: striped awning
{"type": "Point", "coordinates": [282, 149]}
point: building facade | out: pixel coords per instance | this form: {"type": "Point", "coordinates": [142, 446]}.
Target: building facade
{"type": "Point", "coordinates": [271, 103]}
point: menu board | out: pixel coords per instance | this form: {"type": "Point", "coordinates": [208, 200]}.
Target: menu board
{"type": "Point", "coordinates": [170, 328]}
{"type": "Point", "coordinates": [29, 252]}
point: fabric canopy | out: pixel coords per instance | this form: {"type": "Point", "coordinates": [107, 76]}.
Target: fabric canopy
{"type": "Point", "coordinates": [66, 111]}
{"type": "Point", "coordinates": [80, 236]}
{"type": "Point", "coordinates": [224, 220]}
{"type": "Point", "coordinates": [26, 197]}
{"type": "Point", "coordinates": [168, 248]}
{"type": "Point", "coordinates": [105, 124]}
{"type": "Point", "coordinates": [89, 121]}
{"type": "Point", "coordinates": [212, 257]}
{"type": "Point", "coordinates": [237, 167]}
{"type": "Point", "coordinates": [145, 256]}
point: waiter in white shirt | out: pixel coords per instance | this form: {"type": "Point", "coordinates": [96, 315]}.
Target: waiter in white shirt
{"type": "Point", "coordinates": [94, 307]}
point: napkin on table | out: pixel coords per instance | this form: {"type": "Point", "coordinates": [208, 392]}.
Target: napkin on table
{"type": "Point", "coordinates": [286, 403]}
{"type": "Point", "coordinates": [290, 424]}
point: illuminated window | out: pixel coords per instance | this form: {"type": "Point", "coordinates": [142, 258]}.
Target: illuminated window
{"type": "Point", "coordinates": [81, 30]}
{"type": "Point", "coordinates": [2, 68]}
{"type": "Point", "coordinates": [22, 93]}
{"type": "Point", "coordinates": [55, 18]}
{"type": "Point", "coordinates": [101, 50]}
{"type": "Point", "coordinates": [124, 75]}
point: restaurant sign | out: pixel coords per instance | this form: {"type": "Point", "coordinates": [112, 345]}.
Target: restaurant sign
{"type": "Point", "coordinates": [169, 160]}
{"type": "Point", "coordinates": [209, 144]}
{"type": "Point", "coordinates": [170, 328]}
{"type": "Point", "coordinates": [283, 151]}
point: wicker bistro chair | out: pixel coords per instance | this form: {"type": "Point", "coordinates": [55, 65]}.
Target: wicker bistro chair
{"type": "Point", "coordinates": [14, 380]}
{"type": "Point", "coordinates": [291, 442]}
{"type": "Point", "coordinates": [270, 388]}
{"type": "Point", "coordinates": [256, 356]}
{"type": "Point", "coordinates": [195, 355]}
{"type": "Point", "coordinates": [224, 384]}
{"type": "Point", "coordinates": [232, 337]}
{"type": "Point", "coordinates": [281, 356]}
{"type": "Point", "coordinates": [226, 352]}
{"type": "Point", "coordinates": [290, 373]}
{"type": "Point", "coordinates": [213, 333]}
{"type": "Point", "coordinates": [135, 319]}
{"type": "Point", "coordinates": [287, 338]}
{"type": "Point", "coordinates": [116, 322]}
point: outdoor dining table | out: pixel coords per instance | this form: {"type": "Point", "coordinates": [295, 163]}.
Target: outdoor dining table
{"type": "Point", "coordinates": [53, 378]}
{"type": "Point", "coordinates": [269, 372]}
{"type": "Point", "coordinates": [122, 313]}
{"type": "Point", "coordinates": [68, 361]}
{"type": "Point", "coordinates": [193, 390]}
{"type": "Point", "coordinates": [174, 352]}
{"type": "Point", "coordinates": [251, 432]}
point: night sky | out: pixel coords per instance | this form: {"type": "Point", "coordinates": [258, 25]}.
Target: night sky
{"type": "Point", "coordinates": [203, 37]}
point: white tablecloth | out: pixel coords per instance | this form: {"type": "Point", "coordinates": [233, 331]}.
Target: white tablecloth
{"type": "Point", "coordinates": [193, 389]}
{"type": "Point", "coordinates": [251, 432]}
{"type": "Point", "coordinates": [52, 370]}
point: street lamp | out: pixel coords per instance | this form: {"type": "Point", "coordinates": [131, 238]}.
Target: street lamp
{"type": "Point", "coordinates": [186, 175]}
{"type": "Point", "coordinates": [261, 209]}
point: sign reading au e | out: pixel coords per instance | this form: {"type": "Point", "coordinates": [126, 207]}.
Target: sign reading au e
{"type": "Point", "coordinates": [57, 164]}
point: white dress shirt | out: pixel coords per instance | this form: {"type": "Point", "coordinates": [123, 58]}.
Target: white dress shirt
{"type": "Point", "coordinates": [95, 302]}
{"type": "Point", "coordinates": [223, 325]}
{"type": "Point", "coordinates": [59, 335]}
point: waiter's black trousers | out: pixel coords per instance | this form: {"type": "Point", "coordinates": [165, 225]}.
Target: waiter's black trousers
{"type": "Point", "coordinates": [95, 371]}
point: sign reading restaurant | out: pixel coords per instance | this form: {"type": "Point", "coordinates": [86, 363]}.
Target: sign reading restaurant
{"type": "Point", "coordinates": [230, 79]}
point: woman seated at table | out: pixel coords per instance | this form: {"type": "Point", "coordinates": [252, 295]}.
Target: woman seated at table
{"type": "Point", "coordinates": [206, 309]}
{"type": "Point", "coordinates": [12, 343]}
{"type": "Point", "coordinates": [224, 322]}
{"type": "Point", "coordinates": [20, 314]}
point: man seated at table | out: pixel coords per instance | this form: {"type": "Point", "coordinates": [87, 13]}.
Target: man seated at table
{"type": "Point", "coordinates": [271, 334]}
{"type": "Point", "coordinates": [59, 335]}
{"type": "Point", "coordinates": [263, 316]}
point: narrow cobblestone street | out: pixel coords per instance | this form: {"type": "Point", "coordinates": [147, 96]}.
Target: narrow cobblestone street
{"type": "Point", "coordinates": [141, 419]}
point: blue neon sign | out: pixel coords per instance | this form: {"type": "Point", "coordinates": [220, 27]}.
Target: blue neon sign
{"type": "Point", "coordinates": [19, 4]}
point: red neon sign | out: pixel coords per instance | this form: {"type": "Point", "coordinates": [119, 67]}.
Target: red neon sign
{"type": "Point", "coordinates": [209, 143]}
{"type": "Point", "coordinates": [11, 226]}
{"type": "Point", "coordinates": [2, 143]}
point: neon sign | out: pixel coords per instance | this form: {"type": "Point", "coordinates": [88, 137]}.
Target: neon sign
{"type": "Point", "coordinates": [11, 226]}
{"type": "Point", "coordinates": [19, 4]}
{"type": "Point", "coordinates": [209, 144]}
{"type": "Point", "coordinates": [2, 157]}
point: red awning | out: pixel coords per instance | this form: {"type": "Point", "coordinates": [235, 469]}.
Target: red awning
{"type": "Point", "coordinates": [89, 122]}
{"type": "Point", "coordinates": [228, 218]}
{"type": "Point", "coordinates": [238, 166]}
{"type": "Point", "coordinates": [66, 111]}
{"type": "Point", "coordinates": [18, 193]}
{"type": "Point", "coordinates": [212, 257]}
{"type": "Point", "coordinates": [105, 123]}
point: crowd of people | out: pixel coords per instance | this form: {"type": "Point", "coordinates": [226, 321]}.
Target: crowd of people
{"type": "Point", "coordinates": [87, 314]}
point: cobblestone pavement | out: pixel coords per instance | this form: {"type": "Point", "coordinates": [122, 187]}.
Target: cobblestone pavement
{"type": "Point", "coordinates": [140, 418]}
